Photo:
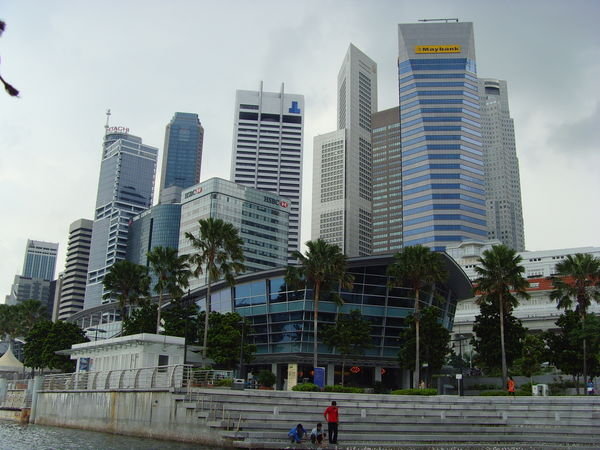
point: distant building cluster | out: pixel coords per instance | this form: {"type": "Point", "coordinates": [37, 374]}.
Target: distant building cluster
{"type": "Point", "coordinates": [440, 169]}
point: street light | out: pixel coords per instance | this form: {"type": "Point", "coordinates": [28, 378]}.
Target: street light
{"type": "Point", "coordinates": [242, 323]}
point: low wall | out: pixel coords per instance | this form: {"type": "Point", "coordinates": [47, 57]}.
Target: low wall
{"type": "Point", "coordinates": [154, 414]}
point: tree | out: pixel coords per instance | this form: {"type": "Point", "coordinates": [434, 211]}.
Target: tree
{"type": "Point", "coordinates": [417, 268]}
{"type": "Point", "coordinates": [323, 268]}
{"type": "Point", "coordinates": [435, 342]}
{"type": "Point", "coordinates": [181, 319]}
{"type": "Point", "coordinates": [11, 90]}
{"type": "Point", "coordinates": [565, 350]}
{"type": "Point", "coordinates": [17, 320]}
{"type": "Point", "coordinates": [172, 273]}
{"type": "Point", "coordinates": [141, 320]}
{"type": "Point", "coordinates": [500, 284]}
{"type": "Point", "coordinates": [532, 356]}
{"type": "Point", "coordinates": [577, 283]}
{"type": "Point", "coordinates": [225, 340]}
{"type": "Point", "coordinates": [219, 255]}
{"type": "Point", "coordinates": [45, 339]}
{"type": "Point", "coordinates": [487, 341]}
{"type": "Point", "coordinates": [126, 282]}
{"type": "Point", "coordinates": [351, 335]}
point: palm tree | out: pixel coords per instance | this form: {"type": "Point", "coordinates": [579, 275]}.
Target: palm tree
{"type": "Point", "coordinates": [578, 279]}
{"type": "Point", "coordinates": [323, 268]}
{"type": "Point", "coordinates": [417, 268]}
{"type": "Point", "coordinates": [126, 282]}
{"type": "Point", "coordinates": [220, 255]}
{"type": "Point", "coordinates": [500, 282]}
{"type": "Point", "coordinates": [172, 273]}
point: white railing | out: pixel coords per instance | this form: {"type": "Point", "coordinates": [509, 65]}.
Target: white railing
{"type": "Point", "coordinates": [147, 378]}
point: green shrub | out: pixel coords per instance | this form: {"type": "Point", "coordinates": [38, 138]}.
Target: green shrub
{"type": "Point", "coordinates": [499, 393]}
{"type": "Point", "coordinates": [306, 387]}
{"type": "Point", "coordinates": [224, 382]}
{"type": "Point", "coordinates": [266, 378]}
{"type": "Point", "coordinates": [346, 389]}
{"type": "Point", "coordinates": [414, 392]}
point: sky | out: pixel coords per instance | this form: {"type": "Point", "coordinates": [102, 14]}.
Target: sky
{"type": "Point", "coordinates": [73, 60]}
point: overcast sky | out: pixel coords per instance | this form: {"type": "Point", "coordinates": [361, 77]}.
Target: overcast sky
{"type": "Point", "coordinates": [72, 60]}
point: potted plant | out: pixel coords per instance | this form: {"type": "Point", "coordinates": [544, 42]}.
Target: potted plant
{"type": "Point", "coordinates": [266, 379]}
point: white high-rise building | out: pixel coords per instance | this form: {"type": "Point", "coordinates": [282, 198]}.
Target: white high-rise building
{"type": "Point", "coordinates": [502, 183]}
{"type": "Point", "coordinates": [267, 148]}
{"type": "Point", "coordinates": [342, 169]}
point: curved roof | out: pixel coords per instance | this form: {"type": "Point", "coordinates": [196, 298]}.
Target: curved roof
{"type": "Point", "coordinates": [9, 363]}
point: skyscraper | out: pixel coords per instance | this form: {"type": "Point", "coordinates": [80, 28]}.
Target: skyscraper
{"type": "Point", "coordinates": [182, 156]}
{"type": "Point", "coordinates": [342, 168]}
{"type": "Point", "coordinates": [267, 148]}
{"type": "Point", "coordinates": [443, 186]}
{"type": "Point", "coordinates": [502, 183]}
{"type": "Point", "coordinates": [40, 259]}
{"type": "Point", "coordinates": [387, 182]}
{"type": "Point", "coordinates": [72, 284]}
{"type": "Point", "coordinates": [125, 189]}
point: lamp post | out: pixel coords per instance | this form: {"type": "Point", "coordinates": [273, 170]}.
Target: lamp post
{"type": "Point", "coordinates": [242, 323]}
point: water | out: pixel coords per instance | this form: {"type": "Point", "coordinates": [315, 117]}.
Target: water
{"type": "Point", "coordinates": [14, 436]}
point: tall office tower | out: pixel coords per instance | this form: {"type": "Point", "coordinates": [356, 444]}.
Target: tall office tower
{"type": "Point", "coordinates": [502, 182]}
{"type": "Point", "coordinates": [267, 148]}
{"type": "Point", "coordinates": [40, 259]}
{"type": "Point", "coordinates": [72, 284]}
{"type": "Point", "coordinates": [261, 218]}
{"type": "Point", "coordinates": [182, 156]}
{"type": "Point", "coordinates": [125, 189]}
{"type": "Point", "coordinates": [443, 186]}
{"type": "Point", "coordinates": [342, 168]}
{"type": "Point", "coordinates": [387, 182]}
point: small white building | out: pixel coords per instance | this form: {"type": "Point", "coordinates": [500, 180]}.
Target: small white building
{"type": "Point", "coordinates": [128, 352]}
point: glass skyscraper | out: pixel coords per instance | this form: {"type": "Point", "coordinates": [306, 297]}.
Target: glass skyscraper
{"type": "Point", "coordinates": [182, 156]}
{"type": "Point", "coordinates": [40, 259]}
{"type": "Point", "coordinates": [443, 185]}
{"type": "Point", "coordinates": [125, 189]}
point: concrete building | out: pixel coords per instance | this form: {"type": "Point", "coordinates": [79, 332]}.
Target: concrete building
{"type": "Point", "coordinates": [40, 259]}
{"type": "Point", "coordinates": [261, 218]}
{"type": "Point", "coordinates": [502, 181]}
{"type": "Point", "coordinates": [342, 167]}
{"type": "Point", "coordinates": [387, 182]}
{"type": "Point", "coordinates": [182, 156]}
{"type": "Point", "coordinates": [125, 189]}
{"type": "Point", "coordinates": [539, 313]}
{"type": "Point", "coordinates": [267, 148]}
{"type": "Point", "coordinates": [26, 288]}
{"type": "Point", "coordinates": [443, 186]}
{"type": "Point", "coordinates": [71, 286]}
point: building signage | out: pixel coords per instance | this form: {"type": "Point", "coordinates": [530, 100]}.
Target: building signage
{"type": "Point", "coordinates": [274, 201]}
{"type": "Point", "coordinates": [437, 49]}
{"type": "Point", "coordinates": [117, 130]}
{"type": "Point", "coordinates": [198, 190]}
{"type": "Point", "coordinates": [292, 379]}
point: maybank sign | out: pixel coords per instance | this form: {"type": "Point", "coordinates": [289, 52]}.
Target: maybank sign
{"type": "Point", "coordinates": [437, 49]}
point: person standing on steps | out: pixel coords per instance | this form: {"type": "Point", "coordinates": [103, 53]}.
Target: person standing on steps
{"type": "Point", "coordinates": [511, 385]}
{"type": "Point", "coordinates": [332, 417]}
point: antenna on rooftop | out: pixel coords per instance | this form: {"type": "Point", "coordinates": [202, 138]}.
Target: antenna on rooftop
{"type": "Point", "coordinates": [438, 20]}
{"type": "Point", "coordinates": [107, 119]}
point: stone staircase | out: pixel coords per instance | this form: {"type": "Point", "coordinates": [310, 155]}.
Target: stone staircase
{"type": "Point", "coordinates": [261, 419]}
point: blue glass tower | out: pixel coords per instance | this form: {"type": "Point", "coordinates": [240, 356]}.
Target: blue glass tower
{"type": "Point", "coordinates": [182, 156]}
{"type": "Point", "coordinates": [443, 185]}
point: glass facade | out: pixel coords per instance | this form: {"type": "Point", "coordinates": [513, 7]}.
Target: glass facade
{"type": "Point", "coordinates": [440, 142]}
{"type": "Point", "coordinates": [261, 218]}
{"type": "Point", "coordinates": [182, 156]}
{"type": "Point", "coordinates": [156, 227]}
{"type": "Point", "coordinates": [40, 260]}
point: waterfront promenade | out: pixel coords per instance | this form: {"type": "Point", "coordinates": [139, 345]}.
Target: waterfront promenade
{"type": "Point", "coordinates": [161, 403]}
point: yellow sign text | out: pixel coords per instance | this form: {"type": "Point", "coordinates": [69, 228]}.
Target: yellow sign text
{"type": "Point", "coordinates": [437, 49]}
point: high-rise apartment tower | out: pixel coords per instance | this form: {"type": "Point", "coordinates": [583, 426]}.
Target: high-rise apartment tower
{"type": "Point", "coordinates": [502, 181]}
{"type": "Point", "coordinates": [267, 148]}
{"type": "Point", "coordinates": [443, 184]}
{"type": "Point", "coordinates": [342, 165]}
{"type": "Point", "coordinates": [182, 156]}
{"type": "Point", "coordinates": [125, 189]}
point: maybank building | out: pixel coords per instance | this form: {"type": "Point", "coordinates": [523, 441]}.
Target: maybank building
{"type": "Point", "coordinates": [443, 185]}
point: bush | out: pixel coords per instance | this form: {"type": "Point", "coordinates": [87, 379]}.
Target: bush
{"type": "Point", "coordinates": [227, 382]}
{"type": "Point", "coordinates": [346, 389]}
{"type": "Point", "coordinates": [266, 378]}
{"type": "Point", "coordinates": [504, 393]}
{"type": "Point", "coordinates": [306, 387]}
{"type": "Point", "coordinates": [414, 392]}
